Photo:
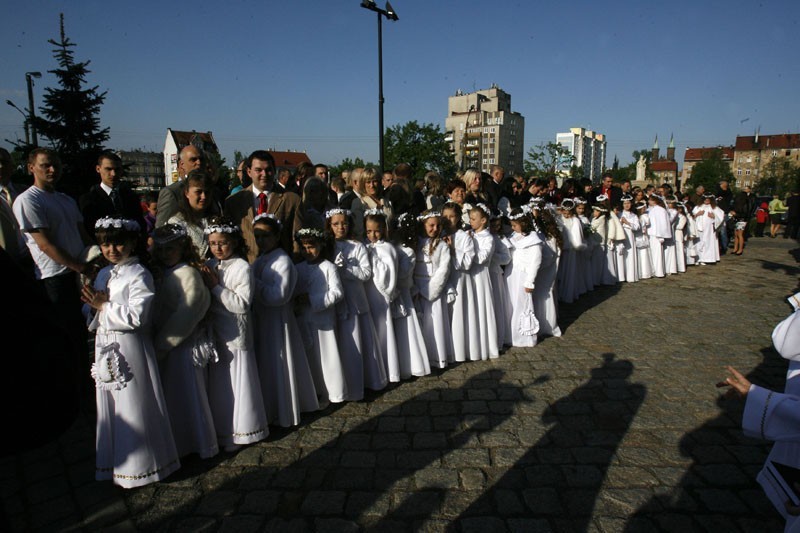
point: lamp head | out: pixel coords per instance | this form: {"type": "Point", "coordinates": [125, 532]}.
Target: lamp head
{"type": "Point", "coordinates": [34, 74]}
{"type": "Point", "coordinates": [390, 13]}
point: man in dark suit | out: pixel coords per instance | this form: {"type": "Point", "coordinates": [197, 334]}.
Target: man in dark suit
{"type": "Point", "coordinates": [262, 197]}
{"type": "Point", "coordinates": [110, 197]}
{"type": "Point", "coordinates": [606, 187]}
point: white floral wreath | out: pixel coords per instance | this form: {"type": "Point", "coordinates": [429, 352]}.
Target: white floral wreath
{"type": "Point", "coordinates": [118, 223]}
{"type": "Point", "coordinates": [429, 214]}
{"type": "Point", "coordinates": [374, 212]}
{"type": "Point", "coordinates": [483, 207]}
{"type": "Point", "coordinates": [221, 228]}
{"type": "Point", "coordinates": [271, 216]}
{"type": "Point", "coordinates": [169, 232]}
{"type": "Point", "coordinates": [337, 211]}
{"type": "Point", "coordinates": [309, 232]}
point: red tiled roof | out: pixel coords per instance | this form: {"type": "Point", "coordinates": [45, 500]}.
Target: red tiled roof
{"type": "Point", "coordinates": [289, 159]}
{"type": "Point", "coordinates": [767, 142]}
{"type": "Point", "coordinates": [663, 166]}
{"type": "Point", "coordinates": [185, 138]}
{"type": "Point", "coordinates": [698, 154]}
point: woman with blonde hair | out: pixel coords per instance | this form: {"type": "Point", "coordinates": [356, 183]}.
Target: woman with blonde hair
{"type": "Point", "coordinates": [368, 191]}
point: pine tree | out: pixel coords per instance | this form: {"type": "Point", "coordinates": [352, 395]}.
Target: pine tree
{"type": "Point", "coordinates": [70, 118]}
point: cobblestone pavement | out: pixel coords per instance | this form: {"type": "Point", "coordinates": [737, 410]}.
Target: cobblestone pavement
{"type": "Point", "coordinates": [616, 426]}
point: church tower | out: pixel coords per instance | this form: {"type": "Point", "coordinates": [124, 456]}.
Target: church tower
{"type": "Point", "coordinates": [671, 148]}
{"type": "Point", "coordinates": [655, 150]}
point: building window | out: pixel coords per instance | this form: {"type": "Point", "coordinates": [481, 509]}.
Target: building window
{"type": "Point", "coordinates": [774, 153]}
{"type": "Point", "coordinates": [491, 130]}
{"type": "Point", "coordinates": [485, 130]}
{"type": "Point", "coordinates": [739, 172]}
{"type": "Point", "coordinates": [747, 172]}
{"type": "Point", "coordinates": [749, 159]}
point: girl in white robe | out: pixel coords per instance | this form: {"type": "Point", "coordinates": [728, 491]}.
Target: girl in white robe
{"type": "Point", "coordinates": [500, 260]}
{"type": "Point", "coordinates": [234, 391]}
{"type": "Point", "coordinates": [526, 258]}
{"type": "Point", "coordinates": [690, 239]}
{"type": "Point", "coordinates": [181, 340]}
{"type": "Point", "coordinates": [645, 262]}
{"type": "Point", "coordinates": [382, 289]}
{"type": "Point", "coordinates": [359, 344]}
{"type": "Point", "coordinates": [463, 319]}
{"type": "Point", "coordinates": [408, 332]}
{"type": "Point", "coordinates": [572, 232]}
{"type": "Point", "coordinates": [318, 290]}
{"type": "Point", "coordinates": [708, 219]}
{"type": "Point", "coordinates": [134, 439]}
{"type": "Point", "coordinates": [431, 273]}
{"type": "Point", "coordinates": [585, 273]}
{"type": "Point", "coordinates": [659, 231]}
{"type": "Point", "coordinates": [630, 225]}
{"type": "Point", "coordinates": [611, 235]}
{"type": "Point", "coordinates": [286, 382]}
{"type": "Point", "coordinates": [670, 250]}
{"type": "Point", "coordinates": [483, 307]}
{"type": "Point", "coordinates": [544, 292]}
{"type": "Point", "coordinates": [680, 231]}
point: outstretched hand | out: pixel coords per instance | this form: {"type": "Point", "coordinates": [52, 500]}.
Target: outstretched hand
{"type": "Point", "coordinates": [92, 298]}
{"type": "Point", "coordinates": [739, 385]}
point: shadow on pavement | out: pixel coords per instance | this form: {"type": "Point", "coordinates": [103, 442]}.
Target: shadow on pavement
{"type": "Point", "coordinates": [555, 485]}
{"type": "Point", "coordinates": [717, 492]}
{"type": "Point", "coordinates": [568, 313]}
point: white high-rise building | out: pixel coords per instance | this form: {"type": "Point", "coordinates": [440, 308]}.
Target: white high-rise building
{"type": "Point", "coordinates": [589, 150]}
{"type": "Point", "coordinates": [483, 131]}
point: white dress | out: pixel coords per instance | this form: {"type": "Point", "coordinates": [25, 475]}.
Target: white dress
{"type": "Point", "coordinates": [660, 231]}
{"type": "Point", "coordinates": [670, 251]}
{"type": "Point", "coordinates": [630, 226]}
{"type": "Point", "coordinates": [568, 283]}
{"type": "Point", "coordinates": [359, 344]}
{"type": "Point", "coordinates": [234, 391]}
{"type": "Point", "coordinates": [381, 291]}
{"type": "Point", "coordinates": [408, 332]}
{"type": "Point", "coordinates": [483, 304]}
{"type": "Point", "coordinates": [544, 296]}
{"type": "Point", "coordinates": [680, 251]}
{"type": "Point", "coordinates": [643, 248]}
{"type": "Point", "coordinates": [502, 307]}
{"type": "Point", "coordinates": [182, 300]}
{"type": "Point", "coordinates": [690, 241]}
{"type": "Point", "coordinates": [526, 258]}
{"type": "Point", "coordinates": [284, 373]}
{"type": "Point", "coordinates": [134, 439]}
{"type": "Point", "coordinates": [707, 243]}
{"type": "Point", "coordinates": [609, 232]}
{"type": "Point", "coordinates": [463, 320]}
{"type": "Point", "coordinates": [585, 272]}
{"type": "Point", "coordinates": [431, 273]}
{"type": "Point", "coordinates": [317, 322]}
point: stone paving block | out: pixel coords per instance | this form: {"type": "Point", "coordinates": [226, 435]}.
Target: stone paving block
{"type": "Point", "coordinates": [543, 501]}
{"type": "Point", "coordinates": [472, 478]}
{"type": "Point", "coordinates": [468, 457]}
{"type": "Point", "coordinates": [281, 525]}
{"type": "Point", "coordinates": [417, 424]}
{"type": "Point", "coordinates": [630, 476]}
{"type": "Point", "coordinates": [482, 524]}
{"type": "Point", "coordinates": [358, 459]}
{"type": "Point", "coordinates": [436, 478]}
{"type": "Point", "coordinates": [720, 501]}
{"type": "Point", "coordinates": [544, 475]}
{"type": "Point", "coordinates": [323, 503]}
{"type": "Point", "coordinates": [264, 502]}
{"type": "Point", "coordinates": [44, 514]}
{"type": "Point", "coordinates": [391, 441]}
{"type": "Point", "coordinates": [335, 525]}
{"type": "Point", "coordinates": [356, 441]}
{"type": "Point", "coordinates": [391, 424]}
{"type": "Point", "coordinates": [241, 523]}
{"type": "Point", "coordinates": [353, 478]}
{"type": "Point", "coordinates": [721, 475]}
{"type": "Point", "coordinates": [528, 525]}
{"type": "Point", "coordinates": [419, 504]}
{"type": "Point", "coordinates": [419, 459]}
{"type": "Point", "coordinates": [105, 514]}
{"type": "Point", "coordinates": [426, 440]}
{"type": "Point", "coordinates": [365, 503]}
{"type": "Point", "coordinates": [218, 503]}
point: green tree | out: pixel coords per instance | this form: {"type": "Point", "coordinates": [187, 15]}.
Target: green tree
{"type": "Point", "coordinates": [420, 145]}
{"type": "Point", "coordinates": [710, 171]}
{"type": "Point", "coordinates": [348, 164]}
{"type": "Point", "coordinates": [780, 176]}
{"type": "Point", "coordinates": [70, 118]}
{"type": "Point", "coordinates": [546, 158]}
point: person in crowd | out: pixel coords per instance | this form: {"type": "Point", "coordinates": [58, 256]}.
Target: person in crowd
{"type": "Point", "coordinates": [262, 197]}
{"type": "Point", "coordinates": [630, 225]}
{"type": "Point", "coordinates": [608, 229]}
{"type": "Point", "coordinates": [287, 386]}
{"type": "Point", "coordinates": [182, 341]}
{"type": "Point", "coordinates": [792, 215]}
{"type": "Point", "coordinates": [608, 189]}
{"type": "Point", "coordinates": [480, 278]}
{"type": "Point", "coordinates": [285, 181]}
{"type": "Point", "coordinates": [234, 391]}
{"type": "Point", "coordinates": [776, 212]}
{"type": "Point", "coordinates": [501, 259]}
{"type": "Point", "coordinates": [170, 197]}
{"type": "Point", "coordinates": [118, 308]}
{"type": "Point", "coordinates": [456, 191]}
{"type": "Point", "coordinates": [408, 331]}
{"type": "Point", "coordinates": [679, 235]}
{"type": "Point", "coordinates": [359, 344]}
{"type": "Point", "coordinates": [708, 218]}
{"type": "Point", "coordinates": [659, 229]}
{"type": "Point", "coordinates": [476, 188]}
{"type": "Point", "coordinates": [461, 293]}
{"type": "Point", "coordinates": [11, 238]}
{"type": "Point", "coordinates": [195, 208]}
{"type": "Point", "coordinates": [431, 274]}
{"type": "Point", "coordinates": [526, 258]}
{"type": "Point", "coordinates": [724, 197]}
{"type": "Point", "coordinates": [572, 231]}
{"type": "Point", "coordinates": [314, 204]}
{"type": "Point", "coordinates": [369, 197]}
{"type": "Point", "coordinates": [762, 217]}
{"type": "Point", "coordinates": [740, 224]}
{"type": "Point", "coordinates": [544, 292]}
{"type": "Point", "coordinates": [302, 172]}
{"type": "Point", "coordinates": [645, 262]}
{"type": "Point", "coordinates": [434, 191]}
{"type": "Point", "coordinates": [318, 290]}
{"type": "Point", "coordinates": [339, 188]}
{"type": "Point", "coordinates": [111, 197]}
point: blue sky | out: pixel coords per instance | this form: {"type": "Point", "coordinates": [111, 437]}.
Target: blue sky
{"type": "Point", "coordinates": [302, 75]}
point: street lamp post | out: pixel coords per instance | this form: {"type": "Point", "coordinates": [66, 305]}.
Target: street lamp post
{"type": "Point", "coordinates": [25, 121]}
{"type": "Point", "coordinates": [32, 119]}
{"type": "Point", "coordinates": [390, 14]}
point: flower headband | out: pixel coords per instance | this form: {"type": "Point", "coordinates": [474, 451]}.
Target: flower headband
{"type": "Point", "coordinates": [600, 208]}
{"type": "Point", "coordinates": [429, 214]}
{"type": "Point", "coordinates": [338, 211]}
{"type": "Point", "coordinates": [641, 204]}
{"type": "Point", "coordinates": [221, 228]}
{"type": "Point", "coordinates": [309, 233]}
{"type": "Point", "coordinates": [263, 216]}
{"type": "Point", "coordinates": [601, 198]}
{"type": "Point", "coordinates": [626, 198]}
{"type": "Point", "coordinates": [403, 217]}
{"type": "Point", "coordinates": [520, 215]}
{"type": "Point", "coordinates": [374, 212]}
{"type": "Point", "coordinates": [483, 207]}
{"type": "Point", "coordinates": [118, 223]}
{"type": "Point", "coordinates": [168, 233]}
{"type": "Point", "coordinates": [567, 204]}
{"type": "Point", "coordinates": [579, 201]}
